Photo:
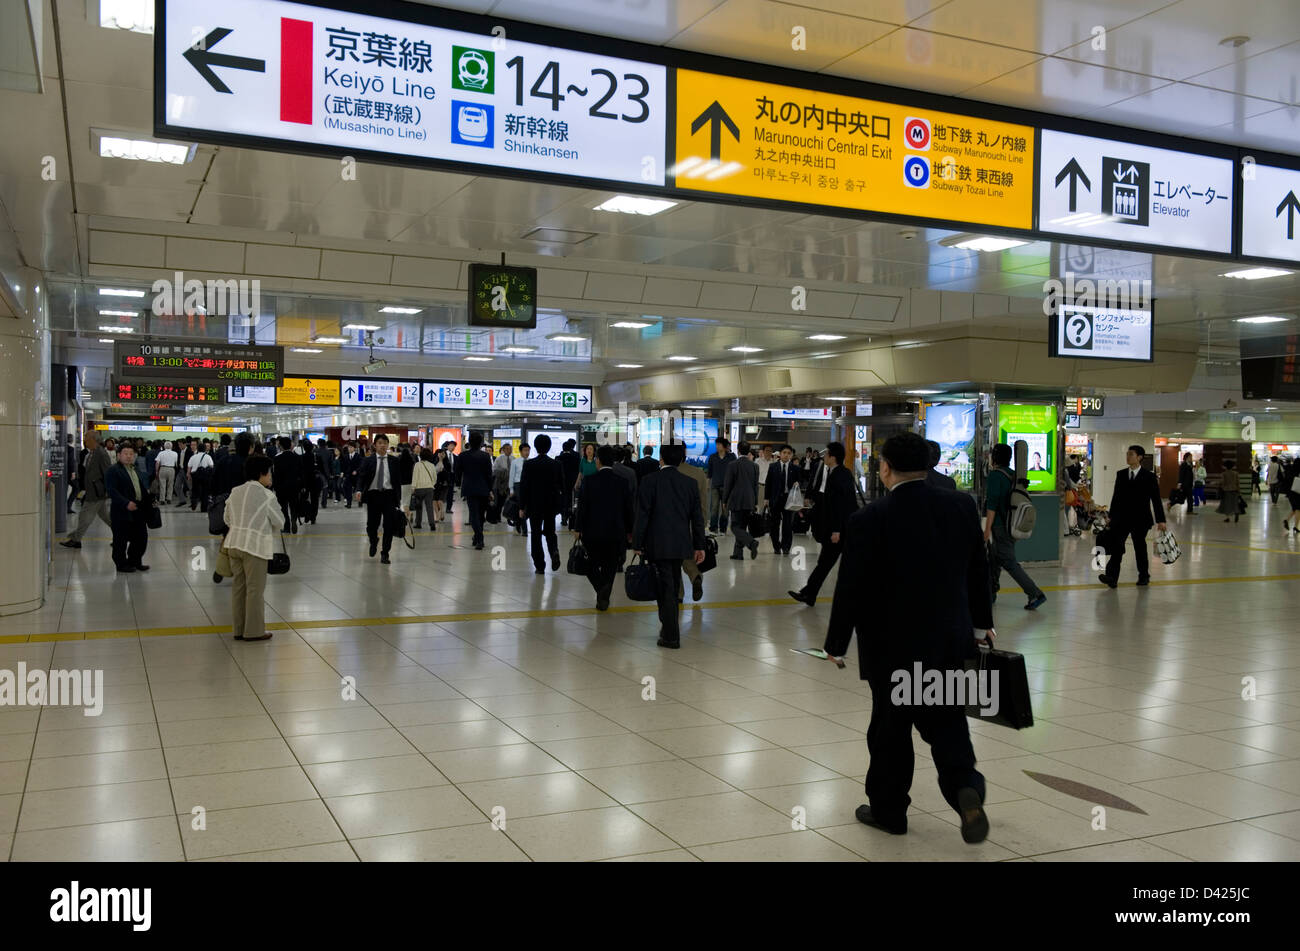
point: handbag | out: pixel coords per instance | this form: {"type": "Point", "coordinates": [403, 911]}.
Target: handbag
{"type": "Point", "coordinates": [579, 560]}
{"type": "Point", "coordinates": [794, 500]}
{"type": "Point", "coordinates": [640, 582]}
{"type": "Point", "coordinates": [1167, 549]}
{"type": "Point", "coordinates": [1295, 485]}
{"type": "Point", "coordinates": [710, 554]}
{"type": "Point", "coordinates": [1007, 685]}
{"type": "Point", "coordinates": [217, 515]}
{"type": "Point", "coordinates": [279, 563]}
{"type": "Point", "coordinates": [395, 523]}
{"type": "Point", "coordinates": [153, 516]}
{"type": "Point", "coordinates": [510, 511]}
{"type": "Point", "coordinates": [224, 568]}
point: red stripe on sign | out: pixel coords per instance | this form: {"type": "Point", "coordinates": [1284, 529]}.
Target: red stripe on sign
{"type": "Point", "coordinates": [295, 70]}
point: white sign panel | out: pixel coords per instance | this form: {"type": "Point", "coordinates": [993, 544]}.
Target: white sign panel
{"type": "Point", "coordinates": [552, 399]}
{"type": "Point", "coordinates": [404, 393]}
{"type": "Point", "coordinates": [814, 413]}
{"type": "Point", "coordinates": [1270, 213]}
{"type": "Point", "coordinates": [250, 394]}
{"type": "Point", "coordinates": [1103, 333]}
{"type": "Point", "coordinates": [314, 76]}
{"type": "Point", "coordinates": [442, 395]}
{"type": "Point", "coordinates": [1102, 188]}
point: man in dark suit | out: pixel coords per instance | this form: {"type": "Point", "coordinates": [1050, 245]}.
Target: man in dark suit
{"type": "Point", "coordinates": [740, 498]}
{"type": "Point", "coordinates": [474, 472]}
{"type": "Point", "coordinates": [129, 498]}
{"type": "Point", "coordinates": [646, 464]}
{"type": "Point", "coordinates": [933, 476]}
{"type": "Point", "coordinates": [669, 528]}
{"type": "Point", "coordinates": [286, 477]}
{"type": "Point", "coordinates": [1134, 507]}
{"type": "Point", "coordinates": [349, 462]}
{"type": "Point", "coordinates": [835, 502]}
{"type": "Point", "coordinates": [569, 467]}
{"type": "Point", "coordinates": [782, 476]}
{"type": "Point", "coordinates": [540, 498]}
{"type": "Point", "coordinates": [604, 521]}
{"type": "Point", "coordinates": [379, 488]}
{"type": "Point", "coordinates": [914, 585]}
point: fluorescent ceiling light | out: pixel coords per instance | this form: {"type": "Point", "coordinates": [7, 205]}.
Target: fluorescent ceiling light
{"type": "Point", "coordinates": [400, 310]}
{"type": "Point", "coordinates": [325, 339]}
{"type": "Point", "coordinates": [695, 406]}
{"type": "Point", "coordinates": [745, 349]}
{"type": "Point", "coordinates": [837, 399]}
{"type": "Point", "coordinates": [630, 325]}
{"type": "Point", "coordinates": [112, 329]}
{"type": "Point", "coordinates": [986, 243]}
{"type": "Point", "coordinates": [683, 358]}
{"type": "Point", "coordinates": [516, 349]}
{"type": "Point", "coordinates": [565, 338]}
{"type": "Point", "coordinates": [120, 292]}
{"type": "Point", "coordinates": [304, 350]}
{"type": "Point", "coordinates": [144, 150]}
{"type": "Point", "coordinates": [629, 366]}
{"type": "Point", "coordinates": [479, 359]}
{"type": "Point", "coordinates": [105, 339]}
{"type": "Point", "coordinates": [922, 392]}
{"type": "Point", "coordinates": [826, 337]}
{"type": "Point", "coordinates": [1189, 411]}
{"type": "Point", "coordinates": [632, 205]}
{"type": "Point", "coordinates": [1262, 319]}
{"type": "Point", "coordinates": [119, 313]}
{"type": "Point", "coordinates": [361, 327]}
{"type": "Point", "coordinates": [1256, 273]}
{"type": "Point", "coordinates": [133, 15]}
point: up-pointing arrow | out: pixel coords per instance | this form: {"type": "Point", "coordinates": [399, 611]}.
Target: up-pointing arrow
{"type": "Point", "coordinates": [1291, 205]}
{"type": "Point", "coordinates": [717, 117]}
{"type": "Point", "coordinates": [349, 391]}
{"type": "Point", "coordinates": [1076, 175]}
{"type": "Point", "coordinates": [203, 59]}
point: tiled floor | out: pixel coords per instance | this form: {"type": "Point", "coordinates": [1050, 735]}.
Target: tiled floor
{"type": "Point", "coordinates": [517, 723]}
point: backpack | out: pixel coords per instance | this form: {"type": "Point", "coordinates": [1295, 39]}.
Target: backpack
{"type": "Point", "coordinates": [1021, 514]}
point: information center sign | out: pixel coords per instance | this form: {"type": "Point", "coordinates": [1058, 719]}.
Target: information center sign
{"type": "Point", "coordinates": [1102, 333]}
{"type": "Point", "coordinates": [197, 363]}
{"type": "Point", "coordinates": [323, 77]}
{"type": "Point", "coordinates": [762, 140]}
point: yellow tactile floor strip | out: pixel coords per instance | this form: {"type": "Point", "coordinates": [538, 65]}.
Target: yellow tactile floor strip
{"type": "Point", "coordinates": [540, 613]}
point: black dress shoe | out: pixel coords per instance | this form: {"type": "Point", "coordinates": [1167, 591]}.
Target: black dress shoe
{"type": "Point", "coordinates": [801, 598]}
{"type": "Point", "coordinates": [672, 645]}
{"type": "Point", "coordinates": [1143, 582]}
{"type": "Point", "coordinates": [753, 550]}
{"type": "Point", "coordinates": [374, 547]}
{"type": "Point", "coordinates": [540, 571]}
{"type": "Point", "coordinates": [216, 577]}
{"type": "Point", "coordinates": [1108, 582]}
{"type": "Point", "coordinates": [863, 812]}
{"type": "Point", "coordinates": [602, 604]}
{"type": "Point", "coordinates": [125, 571]}
{"type": "Point", "coordinates": [555, 564]}
{"type": "Point", "coordinates": [384, 559]}
{"type": "Point", "coordinates": [697, 588]}
{"type": "Point", "coordinates": [69, 543]}
{"type": "Point", "coordinates": [141, 567]}
{"type": "Point", "coordinates": [974, 823]}
{"type": "Point", "coordinates": [737, 558]}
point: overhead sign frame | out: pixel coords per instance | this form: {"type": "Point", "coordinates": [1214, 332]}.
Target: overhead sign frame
{"type": "Point", "coordinates": [675, 59]}
{"type": "Point", "coordinates": [1064, 341]}
{"type": "Point", "coordinates": [1278, 209]}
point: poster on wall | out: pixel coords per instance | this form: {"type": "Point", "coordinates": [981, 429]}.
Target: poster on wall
{"type": "Point", "coordinates": [1036, 425]}
{"type": "Point", "coordinates": [953, 428]}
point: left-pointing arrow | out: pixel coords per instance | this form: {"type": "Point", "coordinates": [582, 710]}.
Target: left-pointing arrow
{"type": "Point", "coordinates": [203, 59]}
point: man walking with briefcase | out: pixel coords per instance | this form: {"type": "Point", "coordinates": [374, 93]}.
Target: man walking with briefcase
{"type": "Point", "coordinates": [669, 528]}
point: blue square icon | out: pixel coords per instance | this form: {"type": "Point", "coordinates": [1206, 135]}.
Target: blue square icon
{"type": "Point", "coordinates": [471, 123]}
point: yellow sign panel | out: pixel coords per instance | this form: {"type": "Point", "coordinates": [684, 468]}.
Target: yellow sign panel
{"type": "Point", "coordinates": [760, 140]}
{"type": "Point", "coordinates": [299, 391]}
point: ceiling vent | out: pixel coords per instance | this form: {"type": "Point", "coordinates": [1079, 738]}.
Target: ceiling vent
{"type": "Point", "coordinates": [557, 236]}
{"type": "Point", "coordinates": [705, 386]}
{"type": "Point", "coordinates": [779, 380]}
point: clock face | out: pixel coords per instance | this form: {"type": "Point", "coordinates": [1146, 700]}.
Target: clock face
{"type": "Point", "coordinates": [503, 297]}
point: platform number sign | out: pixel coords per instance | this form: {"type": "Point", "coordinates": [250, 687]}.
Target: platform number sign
{"type": "Point", "coordinates": [501, 296]}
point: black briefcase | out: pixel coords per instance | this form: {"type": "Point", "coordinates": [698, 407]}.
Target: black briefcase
{"type": "Point", "coordinates": [395, 522]}
{"type": "Point", "coordinates": [579, 560]}
{"type": "Point", "coordinates": [639, 581]}
{"type": "Point", "coordinates": [153, 517]}
{"type": "Point", "coordinates": [710, 554]}
{"type": "Point", "coordinates": [1007, 687]}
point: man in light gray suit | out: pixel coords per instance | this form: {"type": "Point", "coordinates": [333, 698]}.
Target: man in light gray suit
{"type": "Point", "coordinates": [95, 501]}
{"type": "Point", "coordinates": [740, 496]}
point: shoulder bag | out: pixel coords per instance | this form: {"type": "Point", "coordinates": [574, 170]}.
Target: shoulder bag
{"type": "Point", "coordinates": [579, 561]}
{"type": "Point", "coordinates": [639, 580]}
{"type": "Point", "coordinates": [279, 563]}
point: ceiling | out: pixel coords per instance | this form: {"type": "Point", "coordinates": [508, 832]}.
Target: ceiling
{"type": "Point", "coordinates": [77, 217]}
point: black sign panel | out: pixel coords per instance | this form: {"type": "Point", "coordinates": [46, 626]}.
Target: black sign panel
{"type": "Point", "coordinates": [1270, 368]}
{"type": "Point", "coordinates": [1086, 405]}
{"type": "Point", "coordinates": [166, 393]}
{"type": "Point", "coordinates": [198, 363]}
{"type": "Point", "coordinates": [501, 296]}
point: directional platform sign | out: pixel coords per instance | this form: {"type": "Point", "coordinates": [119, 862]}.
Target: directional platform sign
{"type": "Point", "coordinates": [1270, 213]}
{"type": "Point", "coordinates": [403, 393]}
{"type": "Point", "coordinates": [552, 399]}
{"type": "Point", "coordinates": [1118, 191]}
{"type": "Point", "coordinates": [451, 395]}
{"type": "Point", "coordinates": [300, 391]}
{"type": "Point", "coordinates": [761, 140]}
{"type": "Point", "coordinates": [315, 78]}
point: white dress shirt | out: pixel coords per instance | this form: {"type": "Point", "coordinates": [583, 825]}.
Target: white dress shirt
{"type": "Point", "coordinates": [383, 478]}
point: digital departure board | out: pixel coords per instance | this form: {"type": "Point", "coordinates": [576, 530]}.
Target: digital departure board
{"type": "Point", "coordinates": [1270, 367]}
{"type": "Point", "coordinates": [166, 393]}
{"type": "Point", "coordinates": [220, 363]}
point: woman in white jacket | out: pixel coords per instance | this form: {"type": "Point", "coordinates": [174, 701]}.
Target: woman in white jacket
{"type": "Point", "coordinates": [255, 520]}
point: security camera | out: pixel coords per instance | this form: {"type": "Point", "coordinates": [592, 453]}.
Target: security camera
{"type": "Point", "coordinates": [374, 366]}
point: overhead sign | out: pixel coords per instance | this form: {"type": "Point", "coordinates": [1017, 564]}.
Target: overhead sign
{"type": "Point", "coordinates": [250, 394]}
{"type": "Point", "coordinates": [1086, 405]}
{"type": "Point", "coordinates": [762, 140]}
{"type": "Point", "coordinates": [405, 393]}
{"type": "Point", "coordinates": [300, 391]}
{"type": "Point", "coordinates": [811, 413]}
{"type": "Point", "coordinates": [165, 393]}
{"type": "Point", "coordinates": [351, 82]}
{"type": "Point", "coordinates": [1102, 333]}
{"type": "Point", "coordinates": [1103, 188]}
{"type": "Point", "coordinates": [1270, 213]}
{"type": "Point", "coordinates": [552, 399]}
{"type": "Point", "coordinates": [197, 362]}
{"type": "Point", "coordinates": [449, 395]}
{"type": "Point", "coordinates": [501, 296]}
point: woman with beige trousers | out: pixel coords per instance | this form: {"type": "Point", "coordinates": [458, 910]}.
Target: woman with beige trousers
{"type": "Point", "coordinates": [255, 519]}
